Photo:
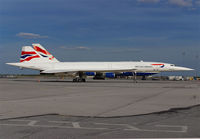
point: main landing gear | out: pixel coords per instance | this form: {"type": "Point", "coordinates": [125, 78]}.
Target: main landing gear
{"type": "Point", "coordinates": [79, 78]}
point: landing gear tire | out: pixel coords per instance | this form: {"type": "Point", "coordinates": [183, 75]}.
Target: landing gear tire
{"type": "Point", "coordinates": [74, 80]}
{"type": "Point", "coordinates": [79, 80]}
{"type": "Point", "coordinates": [83, 80]}
{"type": "Point", "coordinates": [143, 77]}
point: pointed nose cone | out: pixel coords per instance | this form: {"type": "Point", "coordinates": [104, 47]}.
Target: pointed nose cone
{"type": "Point", "coordinates": [14, 64]}
{"type": "Point", "coordinates": [182, 69]}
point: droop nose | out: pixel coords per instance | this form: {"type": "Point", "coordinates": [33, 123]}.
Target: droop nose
{"type": "Point", "coordinates": [182, 69]}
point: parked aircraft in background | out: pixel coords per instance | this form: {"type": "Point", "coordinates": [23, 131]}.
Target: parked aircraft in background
{"type": "Point", "coordinates": [40, 59]}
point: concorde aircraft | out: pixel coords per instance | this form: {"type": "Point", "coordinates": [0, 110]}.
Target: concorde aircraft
{"type": "Point", "coordinates": [38, 58]}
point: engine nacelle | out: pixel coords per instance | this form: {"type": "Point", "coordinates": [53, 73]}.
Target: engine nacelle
{"type": "Point", "coordinates": [127, 73]}
{"type": "Point", "coordinates": [138, 73]}
{"type": "Point", "coordinates": [110, 75]}
{"type": "Point", "coordinates": [90, 73]}
{"type": "Point", "coordinates": [100, 75]}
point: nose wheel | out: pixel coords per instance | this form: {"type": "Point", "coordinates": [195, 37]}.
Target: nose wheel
{"type": "Point", "coordinates": [135, 76]}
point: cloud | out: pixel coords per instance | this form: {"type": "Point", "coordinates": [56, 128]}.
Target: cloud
{"type": "Point", "coordinates": [148, 1]}
{"type": "Point", "coordinates": [75, 48]}
{"type": "Point", "coordinates": [30, 35]}
{"type": "Point", "coordinates": [132, 50]}
{"type": "Point", "coordinates": [197, 2]}
{"type": "Point", "coordinates": [181, 3]}
{"type": "Point", "coordinates": [144, 38]}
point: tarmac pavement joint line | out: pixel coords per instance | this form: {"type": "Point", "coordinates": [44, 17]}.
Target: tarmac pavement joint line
{"type": "Point", "coordinates": [133, 102]}
{"type": "Point", "coordinates": [97, 126]}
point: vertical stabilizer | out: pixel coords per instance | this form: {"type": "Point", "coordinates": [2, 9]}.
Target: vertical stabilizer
{"type": "Point", "coordinates": [43, 52]}
{"type": "Point", "coordinates": [29, 54]}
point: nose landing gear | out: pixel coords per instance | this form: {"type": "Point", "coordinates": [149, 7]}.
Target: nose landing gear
{"type": "Point", "coordinates": [135, 76]}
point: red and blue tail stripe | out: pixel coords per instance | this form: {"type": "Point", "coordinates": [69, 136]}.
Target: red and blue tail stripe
{"type": "Point", "coordinates": [43, 53]}
{"type": "Point", "coordinates": [27, 56]}
{"type": "Point", "coordinates": [38, 49]}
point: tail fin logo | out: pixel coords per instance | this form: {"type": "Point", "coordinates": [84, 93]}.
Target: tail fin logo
{"type": "Point", "coordinates": [28, 55]}
{"type": "Point", "coordinates": [43, 52]}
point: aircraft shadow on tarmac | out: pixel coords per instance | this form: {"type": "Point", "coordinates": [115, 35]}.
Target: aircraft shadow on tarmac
{"type": "Point", "coordinates": [93, 81]}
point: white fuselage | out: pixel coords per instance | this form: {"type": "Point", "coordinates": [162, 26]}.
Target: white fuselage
{"type": "Point", "coordinates": [56, 67]}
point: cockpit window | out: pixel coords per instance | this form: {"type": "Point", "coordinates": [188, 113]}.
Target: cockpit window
{"type": "Point", "coordinates": [172, 65]}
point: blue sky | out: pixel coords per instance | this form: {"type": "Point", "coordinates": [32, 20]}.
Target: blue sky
{"type": "Point", "coordinates": [102, 30]}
